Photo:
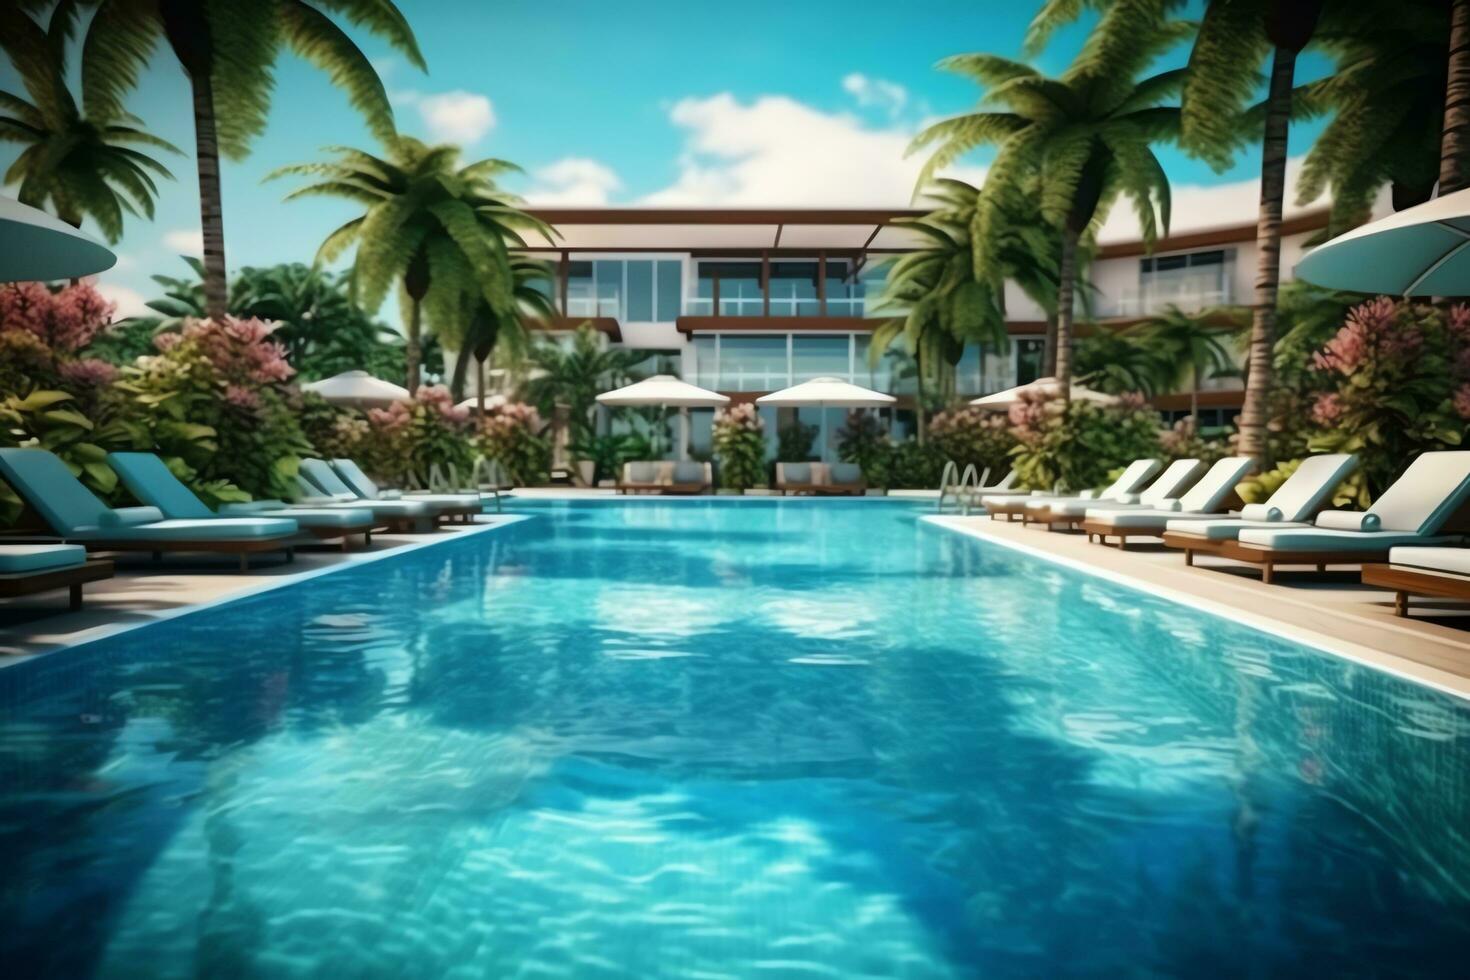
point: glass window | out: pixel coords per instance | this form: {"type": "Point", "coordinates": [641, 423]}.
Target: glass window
{"type": "Point", "coordinates": [1191, 281]}
{"type": "Point", "coordinates": [580, 299]}
{"type": "Point", "coordinates": [740, 287]}
{"type": "Point", "coordinates": [753, 363]}
{"type": "Point", "coordinates": [794, 289]}
{"type": "Point", "coordinates": [878, 377]}
{"type": "Point", "coordinates": [844, 292]}
{"type": "Point", "coordinates": [705, 369]}
{"type": "Point", "coordinates": [967, 373]}
{"type": "Point", "coordinates": [669, 290]}
{"type": "Point", "coordinates": [821, 357]}
{"type": "Point", "coordinates": [1030, 353]}
{"type": "Point", "coordinates": [640, 291]}
{"type": "Point", "coordinates": [609, 273]}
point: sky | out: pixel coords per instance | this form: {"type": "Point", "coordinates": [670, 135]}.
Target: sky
{"type": "Point", "coordinates": [638, 102]}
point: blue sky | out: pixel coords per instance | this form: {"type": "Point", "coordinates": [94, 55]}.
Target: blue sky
{"type": "Point", "coordinates": [639, 101]}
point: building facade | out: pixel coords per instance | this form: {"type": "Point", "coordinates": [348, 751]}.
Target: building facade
{"type": "Point", "coordinates": [748, 301]}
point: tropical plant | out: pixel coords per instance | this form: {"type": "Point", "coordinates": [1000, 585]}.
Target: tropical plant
{"type": "Point", "coordinates": [609, 452]}
{"type": "Point", "coordinates": [1193, 346]}
{"type": "Point", "coordinates": [972, 436]}
{"type": "Point", "coordinates": [1076, 444]}
{"type": "Point", "coordinates": [1086, 136]}
{"type": "Point", "coordinates": [510, 434]}
{"type": "Point", "coordinates": [1184, 441]}
{"type": "Point", "coordinates": [906, 465]}
{"type": "Point", "coordinates": [862, 439]}
{"type": "Point", "coordinates": [443, 230]}
{"type": "Point", "coordinates": [739, 441]}
{"type": "Point", "coordinates": [795, 441]}
{"type": "Point", "coordinates": [489, 330]}
{"type": "Point", "coordinates": [1116, 361]}
{"type": "Point", "coordinates": [228, 53]}
{"type": "Point", "coordinates": [1395, 383]}
{"type": "Point", "coordinates": [420, 435]}
{"type": "Point", "coordinates": [77, 165]}
{"type": "Point", "coordinates": [567, 378]}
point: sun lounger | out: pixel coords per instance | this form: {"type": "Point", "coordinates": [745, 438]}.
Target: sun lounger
{"type": "Point", "coordinates": [1294, 504]}
{"type": "Point", "coordinates": [26, 569]}
{"type": "Point", "coordinates": [1441, 573]}
{"type": "Point", "coordinates": [687, 477]}
{"type": "Point", "coordinates": [75, 514]}
{"type": "Point", "coordinates": [1138, 472]}
{"type": "Point", "coordinates": [321, 486]}
{"type": "Point", "coordinates": [799, 478]}
{"type": "Point", "coordinates": [843, 480]}
{"type": "Point", "coordinates": [1175, 480]}
{"type": "Point", "coordinates": [1205, 499]}
{"type": "Point", "coordinates": [1414, 511]}
{"type": "Point", "coordinates": [463, 505]}
{"type": "Point", "coordinates": [973, 497]}
{"type": "Point", "coordinates": [149, 479]}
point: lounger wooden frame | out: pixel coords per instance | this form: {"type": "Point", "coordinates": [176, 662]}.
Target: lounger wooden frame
{"type": "Point", "coordinates": [70, 577]}
{"type": "Point", "coordinates": [843, 489]}
{"type": "Point", "coordinates": [673, 489]}
{"type": "Point", "coordinates": [244, 547]}
{"type": "Point", "coordinates": [1102, 530]}
{"type": "Point", "coordinates": [1406, 581]}
{"type": "Point", "coordinates": [1270, 558]}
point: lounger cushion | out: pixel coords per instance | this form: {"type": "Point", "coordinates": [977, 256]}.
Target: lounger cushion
{"type": "Point", "coordinates": [1146, 519]}
{"type": "Point", "coordinates": [148, 478]}
{"type": "Point", "coordinates": [1261, 512]}
{"type": "Point", "coordinates": [1456, 561]}
{"type": "Point", "coordinates": [48, 486]}
{"type": "Point", "coordinates": [1224, 528]}
{"type": "Point", "coordinates": [796, 472]}
{"type": "Point", "coordinates": [323, 517]}
{"type": "Point", "coordinates": [1181, 474]}
{"type": "Point", "coordinates": [1348, 520]}
{"type": "Point", "coordinates": [1215, 487]}
{"type": "Point", "coordinates": [214, 529]}
{"type": "Point", "coordinates": [643, 472]}
{"type": "Point", "coordinates": [1133, 477]}
{"type": "Point", "coordinates": [129, 517]}
{"type": "Point", "coordinates": [1430, 490]}
{"type": "Point", "coordinates": [689, 472]}
{"type": "Point", "coordinates": [1313, 482]}
{"type": "Point", "coordinates": [845, 473]}
{"type": "Point", "coordinates": [456, 501]}
{"type": "Point", "coordinates": [398, 508]}
{"type": "Point", "coordinates": [326, 479]}
{"type": "Point", "coordinates": [17, 559]}
{"type": "Point", "coordinates": [1326, 539]}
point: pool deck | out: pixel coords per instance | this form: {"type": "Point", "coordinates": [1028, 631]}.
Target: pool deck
{"type": "Point", "coordinates": [1333, 612]}
{"type": "Point", "coordinates": [144, 592]}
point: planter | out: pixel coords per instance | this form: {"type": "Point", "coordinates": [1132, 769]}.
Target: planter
{"type": "Point", "coordinates": [727, 492]}
{"type": "Point", "coordinates": [762, 492]}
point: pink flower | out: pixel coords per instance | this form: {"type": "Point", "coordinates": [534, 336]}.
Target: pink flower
{"type": "Point", "coordinates": [1462, 401]}
{"type": "Point", "coordinates": [1373, 331]}
{"type": "Point", "coordinates": [66, 320]}
{"type": "Point", "coordinates": [242, 397]}
{"type": "Point", "coordinates": [1327, 409]}
{"type": "Point", "coordinates": [89, 372]}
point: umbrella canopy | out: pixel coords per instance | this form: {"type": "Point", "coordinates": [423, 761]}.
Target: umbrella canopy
{"type": "Point", "coordinates": [826, 393]}
{"type": "Point", "coordinates": [1420, 251]}
{"type": "Point", "coordinates": [35, 247]}
{"type": "Point", "coordinates": [357, 388]}
{"type": "Point", "coordinates": [1003, 400]}
{"type": "Point", "coordinates": [664, 389]}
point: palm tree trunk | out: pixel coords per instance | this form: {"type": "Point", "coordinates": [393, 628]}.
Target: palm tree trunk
{"type": "Point", "coordinates": [1068, 273]}
{"type": "Point", "coordinates": [480, 389]}
{"type": "Point", "coordinates": [920, 429]}
{"type": "Point", "coordinates": [1194, 401]}
{"type": "Point", "coordinates": [411, 345]}
{"type": "Point", "coordinates": [1252, 423]}
{"type": "Point", "coordinates": [1454, 149]}
{"type": "Point", "coordinates": [211, 200]}
{"type": "Point", "coordinates": [1049, 352]}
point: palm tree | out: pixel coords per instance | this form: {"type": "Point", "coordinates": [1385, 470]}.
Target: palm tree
{"type": "Point", "coordinates": [228, 53]}
{"type": "Point", "coordinates": [567, 379]}
{"type": "Point", "coordinates": [488, 330]}
{"type": "Point", "coordinates": [1087, 135]}
{"type": "Point", "coordinates": [1117, 362]}
{"type": "Point", "coordinates": [79, 166]}
{"type": "Point", "coordinates": [443, 230]}
{"type": "Point", "coordinates": [1454, 168]}
{"type": "Point", "coordinates": [1193, 346]}
{"type": "Point", "coordinates": [1385, 97]}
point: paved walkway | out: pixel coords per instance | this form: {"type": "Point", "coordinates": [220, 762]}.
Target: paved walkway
{"type": "Point", "coordinates": [1334, 612]}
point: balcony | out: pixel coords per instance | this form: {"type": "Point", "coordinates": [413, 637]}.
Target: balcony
{"type": "Point", "coordinates": [1142, 303]}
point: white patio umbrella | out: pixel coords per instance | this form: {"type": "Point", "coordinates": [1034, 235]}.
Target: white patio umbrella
{"type": "Point", "coordinates": [825, 393]}
{"type": "Point", "coordinates": [667, 390]}
{"type": "Point", "coordinates": [358, 389]}
{"type": "Point", "coordinates": [1420, 251]}
{"type": "Point", "coordinates": [34, 246]}
{"type": "Point", "coordinates": [1000, 401]}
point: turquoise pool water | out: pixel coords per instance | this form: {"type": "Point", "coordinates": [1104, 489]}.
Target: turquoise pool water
{"type": "Point", "coordinates": [716, 739]}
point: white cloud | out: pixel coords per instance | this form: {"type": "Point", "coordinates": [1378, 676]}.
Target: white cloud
{"type": "Point", "coordinates": [573, 180]}
{"type": "Point", "coordinates": [454, 117]}
{"type": "Point", "coordinates": [129, 302]}
{"type": "Point", "coordinates": [778, 151]}
{"type": "Point", "coordinates": [876, 92]}
{"type": "Point", "coordinates": [187, 241]}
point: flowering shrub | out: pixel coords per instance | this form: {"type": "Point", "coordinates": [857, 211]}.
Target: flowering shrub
{"type": "Point", "coordinates": [510, 434]}
{"type": "Point", "coordinates": [970, 435]}
{"type": "Point", "coordinates": [862, 440]}
{"type": "Point", "coordinates": [1076, 445]}
{"type": "Point", "coordinates": [419, 434]}
{"type": "Point", "coordinates": [906, 465]}
{"type": "Point", "coordinates": [739, 438]}
{"type": "Point", "coordinates": [1392, 383]}
{"type": "Point", "coordinates": [1183, 441]}
{"type": "Point", "coordinates": [214, 404]}
{"type": "Point", "coordinates": [65, 320]}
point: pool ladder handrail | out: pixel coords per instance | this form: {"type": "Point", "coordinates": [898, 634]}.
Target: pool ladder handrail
{"type": "Point", "coordinates": [955, 481]}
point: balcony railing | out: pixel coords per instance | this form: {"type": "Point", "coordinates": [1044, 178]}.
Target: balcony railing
{"type": "Point", "coordinates": [1154, 301]}
{"type": "Point", "coordinates": [755, 306]}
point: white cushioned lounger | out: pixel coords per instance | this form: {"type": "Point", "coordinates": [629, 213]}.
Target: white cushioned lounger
{"type": "Point", "coordinates": [1127, 483]}
{"type": "Point", "coordinates": [1182, 473]}
{"type": "Point", "coordinates": [1203, 500]}
{"type": "Point", "coordinates": [1454, 561]}
{"type": "Point", "coordinates": [1293, 503]}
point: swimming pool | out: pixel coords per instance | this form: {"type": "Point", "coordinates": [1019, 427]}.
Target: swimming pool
{"type": "Point", "coordinates": [723, 739]}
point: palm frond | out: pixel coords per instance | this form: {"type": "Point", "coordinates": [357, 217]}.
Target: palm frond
{"type": "Point", "coordinates": [313, 36]}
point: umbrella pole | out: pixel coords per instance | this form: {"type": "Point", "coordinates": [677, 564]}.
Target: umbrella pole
{"type": "Point", "coordinates": [684, 423]}
{"type": "Point", "coordinates": [822, 433]}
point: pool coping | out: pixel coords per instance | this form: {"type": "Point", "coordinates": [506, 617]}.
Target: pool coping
{"type": "Point", "coordinates": [347, 560]}
{"type": "Point", "coordinates": [1372, 657]}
